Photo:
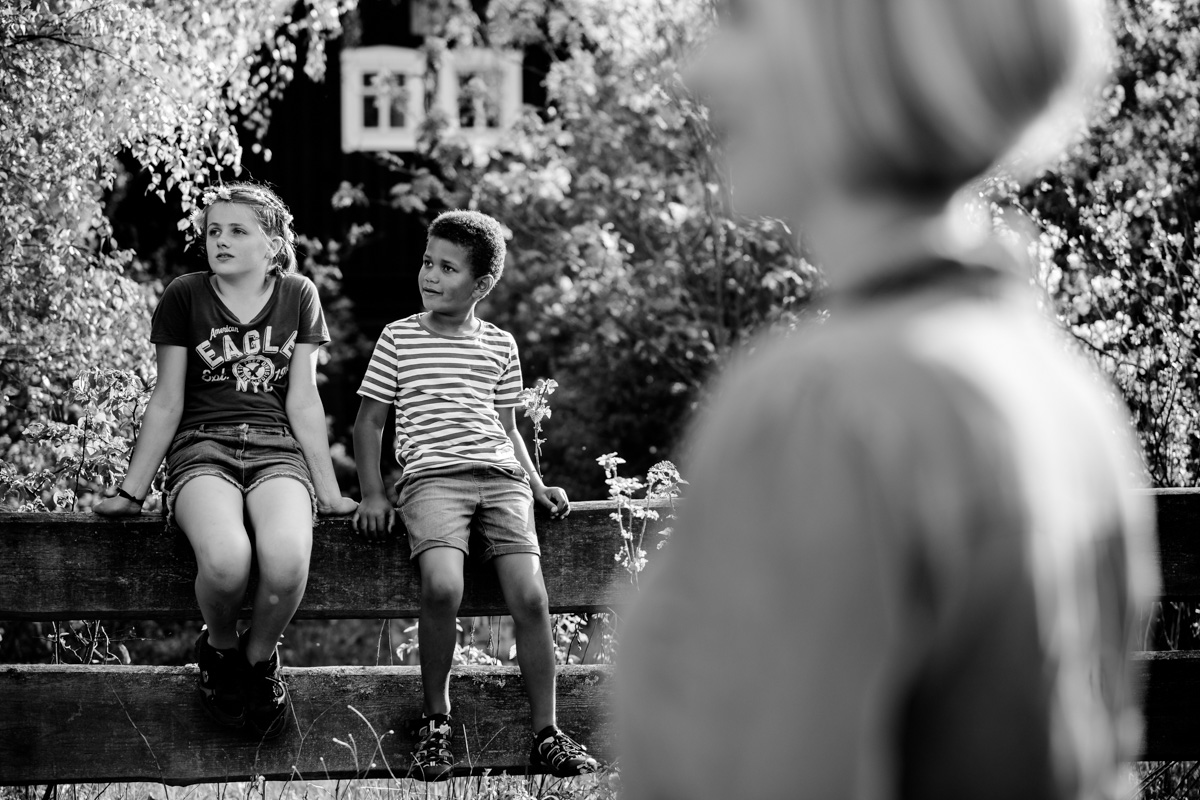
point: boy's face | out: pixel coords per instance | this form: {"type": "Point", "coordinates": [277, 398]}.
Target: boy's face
{"type": "Point", "coordinates": [447, 284]}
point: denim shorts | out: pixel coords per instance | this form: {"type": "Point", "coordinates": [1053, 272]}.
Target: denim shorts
{"type": "Point", "coordinates": [443, 507]}
{"type": "Point", "coordinates": [244, 455]}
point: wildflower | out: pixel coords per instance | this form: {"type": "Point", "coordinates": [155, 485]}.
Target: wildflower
{"type": "Point", "coordinates": [610, 461]}
{"type": "Point", "coordinates": [212, 195]}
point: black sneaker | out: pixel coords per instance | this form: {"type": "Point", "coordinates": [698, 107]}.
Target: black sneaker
{"type": "Point", "coordinates": [220, 682]}
{"type": "Point", "coordinates": [433, 760]}
{"type": "Point", "coordinates": [266, 695]}
{"type": "Point", "coordinates": [560, 754]}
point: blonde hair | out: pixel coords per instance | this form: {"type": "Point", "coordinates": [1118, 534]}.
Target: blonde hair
{"type": "Point", "coordinates": [269, 209]}
{"type": "Point", "coordinates": [932, 93]}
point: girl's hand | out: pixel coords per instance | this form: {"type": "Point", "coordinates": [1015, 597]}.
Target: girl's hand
{"type": "Point", "coordinates": [117, 507]}
{"type": "Point", "coordinates": [342, 507]}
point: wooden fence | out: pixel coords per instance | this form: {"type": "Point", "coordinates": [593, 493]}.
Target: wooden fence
{"type": "Point", "coordinates": [62, 724]}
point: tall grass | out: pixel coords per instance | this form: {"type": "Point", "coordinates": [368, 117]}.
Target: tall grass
{"type": "Point", "coordinates": [604, 786]}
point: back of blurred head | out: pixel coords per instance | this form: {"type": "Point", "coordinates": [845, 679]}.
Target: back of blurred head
{"type": "Point", "coordinates": [903, 98]}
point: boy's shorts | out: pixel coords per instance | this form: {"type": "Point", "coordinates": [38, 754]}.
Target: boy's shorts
{"type": "Point", "coordinates": [442, 507]}
{"type": "Point", "coordinates": [244, 455]}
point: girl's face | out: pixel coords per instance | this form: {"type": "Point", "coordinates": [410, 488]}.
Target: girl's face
{"type": "Point", "coordinates": [768, 95]}
{"type": "Point", "coordinates": [236, 244]}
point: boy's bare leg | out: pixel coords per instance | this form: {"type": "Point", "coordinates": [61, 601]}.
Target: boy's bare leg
{"type": "Point", "coordinates": [441, 594]}
{"type": "Point", "coordinates": [209, 510]}
{"type": "Point", "coordinates": [525, 593]}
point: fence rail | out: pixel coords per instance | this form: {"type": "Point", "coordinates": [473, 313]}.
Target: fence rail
{"type": "Point", "coordinates": [81, 566]}
{"type": "Point", "coordinates": [65, 724]}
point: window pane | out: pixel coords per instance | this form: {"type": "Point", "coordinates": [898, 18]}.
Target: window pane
{"type": "Point", "coordinates": [398, 103]}
{"type": "Point", "coordinates": [368, 80]}
{"type": "Point", "coordinates": [491, 101]}
{"type": "Point", "coordinates": [370, 112]}
{"type": "Point", "coordinates": [467, 90]}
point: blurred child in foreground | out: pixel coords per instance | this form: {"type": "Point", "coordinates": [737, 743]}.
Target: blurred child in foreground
{"type": "Point", "coordinates": [913, 536]}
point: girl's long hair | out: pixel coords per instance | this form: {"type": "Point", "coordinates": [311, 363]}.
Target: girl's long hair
{"type": "Point", "coordinates": [271, 212]}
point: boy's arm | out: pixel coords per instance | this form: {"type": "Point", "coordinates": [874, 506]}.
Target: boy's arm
{"type": "Point", "coordinates": [552, 497]}
{"type": "Point", "coordinates": [159, 423]}
{"type": "Point", "coordinates": [375, 515]}
{"type": "Point", "coordinates": [307, 418]}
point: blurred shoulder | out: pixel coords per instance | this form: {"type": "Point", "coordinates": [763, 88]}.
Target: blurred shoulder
{"type": "Point", "coordinates": [967, 377]}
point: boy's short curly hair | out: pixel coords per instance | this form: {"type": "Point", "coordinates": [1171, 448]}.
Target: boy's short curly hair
{"type": "Point", "coordinates": [480, 235]}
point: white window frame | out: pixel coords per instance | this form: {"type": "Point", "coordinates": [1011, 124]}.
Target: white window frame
{"type": "Point", "coordinates": [361, 61]}
{"type": "Point", "coordinates": [357, 62]}
{"type": "Point", "coordinates": [464, 61]}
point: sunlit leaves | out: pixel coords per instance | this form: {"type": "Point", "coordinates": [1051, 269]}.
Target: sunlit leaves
{"type": "Point", "coordinates": [80, 83]}
{"type": "Point", "coordinates": [1117, 231]}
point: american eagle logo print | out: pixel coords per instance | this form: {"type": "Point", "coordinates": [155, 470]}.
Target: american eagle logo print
{"type": "Point", "coordinates": [246, 359]}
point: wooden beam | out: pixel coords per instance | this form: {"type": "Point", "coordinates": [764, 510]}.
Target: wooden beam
{"type": "Point", "coordinates": [1171, 705]}
{"type": "Point", "coordinates": [64, 724]}
{"type": "Point", "coordinates": [78, 724]}
{"type": "Point", "coordinates": [1179, 541]}
{"type": "Point", "coordinates": [80, 566]}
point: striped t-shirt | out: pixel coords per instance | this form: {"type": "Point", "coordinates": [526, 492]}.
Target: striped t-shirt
{"type": "Point", "coordinates": [446, 390]}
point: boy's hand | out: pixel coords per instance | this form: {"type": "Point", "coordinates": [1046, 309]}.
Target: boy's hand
{"type": "Point", "coordinates": [554, 499]}
{"type": "Point", "coordinates": [116, 506]}
{"type": "Point", "coordinates": [375, 517]}
{"type": "Point", "coordinates": [341, 507]}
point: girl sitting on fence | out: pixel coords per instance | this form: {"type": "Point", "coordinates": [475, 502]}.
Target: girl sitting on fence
{"type": "Point", "coordinates": [236, 414]}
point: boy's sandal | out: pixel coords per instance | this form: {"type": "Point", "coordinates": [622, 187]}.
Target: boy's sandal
{"type": "Point", "coordinates": [433, 759]}
{"type": "Point", "coordinates": [560, 754]}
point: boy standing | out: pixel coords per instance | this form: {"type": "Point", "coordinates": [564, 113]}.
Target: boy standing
{"type": "Point", "coordinates": [454, 381]}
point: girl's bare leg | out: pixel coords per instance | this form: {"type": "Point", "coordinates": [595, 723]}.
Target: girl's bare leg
{"type": "Point", "coordinates": [281, 514]}
{"type": "Point", "coordinates": [209, 510]}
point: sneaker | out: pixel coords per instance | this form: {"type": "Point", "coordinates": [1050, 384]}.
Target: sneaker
{"type": "Point", "coordinates": [560, 754]}
{"type": "Point", "coordinates": [266, 695]}
{"type": "Point", "coordinates": [220, 682]}
{"type": "Point", "coordinates": [433, 759]}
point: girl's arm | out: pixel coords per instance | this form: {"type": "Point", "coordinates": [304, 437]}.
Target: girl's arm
{"type": "Point", "coordinates": [158, 429]}
{"type": "Point", "coordinates": [552, 497]}
{"type": "Point", "coordinates": [307, 418]}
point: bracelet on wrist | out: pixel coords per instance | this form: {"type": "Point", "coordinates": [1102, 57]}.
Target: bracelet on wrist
{"type": "Point", "coordinates": [130, 498]}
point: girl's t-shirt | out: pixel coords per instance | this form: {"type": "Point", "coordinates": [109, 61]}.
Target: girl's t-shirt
{"type": "Point", "coordinates": [237, 372]}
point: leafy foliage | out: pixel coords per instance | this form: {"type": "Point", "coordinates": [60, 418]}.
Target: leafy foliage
{"type": "Point", "coordinates": [1117, 222]}
{"type": "Point", "coordinates": [84, 82]}
{"type": "Point", "coordinates": [90, 451]}
{"type": "Point", "coordinates": [628, 278]}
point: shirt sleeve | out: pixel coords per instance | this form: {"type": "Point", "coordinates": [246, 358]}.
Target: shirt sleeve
{"type": "Point", "coordinates": [169, 323]}
{"type": "Point", "coordinates": [379, 382]}
{"type": "Point", "coordinates": [311, 328]}
{"type": "Point", "coordinates": [508, 390]}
